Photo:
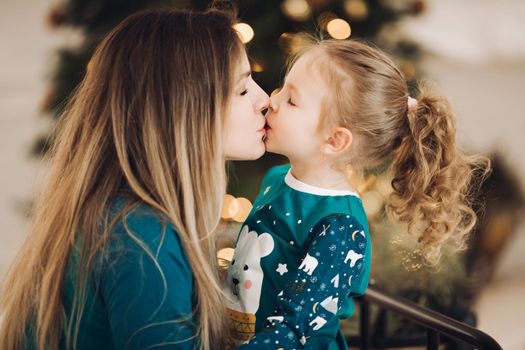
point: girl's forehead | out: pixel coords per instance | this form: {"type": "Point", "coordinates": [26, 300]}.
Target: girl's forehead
{"type": "Point", "coordinates": [306, 75]}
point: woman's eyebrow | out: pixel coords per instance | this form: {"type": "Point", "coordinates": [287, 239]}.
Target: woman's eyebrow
{"type": "Point", "coordinates": [243, 76]}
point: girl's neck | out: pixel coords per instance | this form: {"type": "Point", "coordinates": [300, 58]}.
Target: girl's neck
{"type": "Point", "coordinates": [322, 175]}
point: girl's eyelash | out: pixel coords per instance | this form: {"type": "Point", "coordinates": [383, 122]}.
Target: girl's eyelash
{"type": "Point", "coordinates": [244, 92]}
{"type": "Point", "coordinates": [290, 102]}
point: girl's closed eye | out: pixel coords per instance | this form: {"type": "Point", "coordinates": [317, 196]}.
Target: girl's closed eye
{"type": "Point", "coordinates": [244, 92]}
{"type": "Point", "coordinates": [291, 103]}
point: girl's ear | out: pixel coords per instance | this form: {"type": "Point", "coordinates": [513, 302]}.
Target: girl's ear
{"type": "Point", "coordinates": [338, 141]}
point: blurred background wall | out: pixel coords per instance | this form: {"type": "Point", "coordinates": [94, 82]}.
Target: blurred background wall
{"type": "Point", "coordinates": [474, 49]}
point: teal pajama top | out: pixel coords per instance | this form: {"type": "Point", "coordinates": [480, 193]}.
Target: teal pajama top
{"type": "Point", "coordinates": [302, 254]}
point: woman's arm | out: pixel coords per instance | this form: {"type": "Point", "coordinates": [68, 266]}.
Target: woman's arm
{"type": "Point", "coordinates": [146, 285]}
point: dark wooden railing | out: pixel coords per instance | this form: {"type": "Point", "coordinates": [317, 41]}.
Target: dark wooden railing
{"type": "Point", "coordinates": [436, 324]}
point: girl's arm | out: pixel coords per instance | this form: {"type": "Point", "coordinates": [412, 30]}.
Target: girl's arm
{"type": "Point", "coordinates": [334, 268]}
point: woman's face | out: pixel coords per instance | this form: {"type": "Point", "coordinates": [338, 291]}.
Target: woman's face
{"type": "Point", "coordinates": [244, 126]}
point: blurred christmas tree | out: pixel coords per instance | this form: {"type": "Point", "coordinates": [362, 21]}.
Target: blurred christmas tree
{"type": "Point", "coordinates": [273, 23]}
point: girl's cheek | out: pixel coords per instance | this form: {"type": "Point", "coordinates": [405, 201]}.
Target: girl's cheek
{"type": "Point", "coordinates": [248, 284]}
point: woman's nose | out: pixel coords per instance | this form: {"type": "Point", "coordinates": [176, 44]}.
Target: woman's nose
{"type": "Point", "coordinates": [263, 103]}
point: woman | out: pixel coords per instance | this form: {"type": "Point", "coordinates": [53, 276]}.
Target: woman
{"type": "Point", "coordinates": [121, 251]}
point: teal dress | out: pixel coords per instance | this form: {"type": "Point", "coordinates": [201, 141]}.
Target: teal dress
{"type": "Point", "coordinates": [302, 254]}
{"type": "Point", "coordinates": [130, 304]}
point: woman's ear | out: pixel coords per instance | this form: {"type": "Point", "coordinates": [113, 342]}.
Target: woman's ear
{"type": "Point", "coordinates": [338, 141]}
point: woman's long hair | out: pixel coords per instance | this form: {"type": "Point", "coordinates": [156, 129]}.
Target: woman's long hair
{"type": "Point", "coordinates": [148, 117]}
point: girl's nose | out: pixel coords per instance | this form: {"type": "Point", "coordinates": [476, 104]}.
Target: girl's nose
{"type": "Point", "coordinates": [273, 107]}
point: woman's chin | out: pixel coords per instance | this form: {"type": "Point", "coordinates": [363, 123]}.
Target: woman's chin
{"type": "Point", "coordinates": [255, 153]}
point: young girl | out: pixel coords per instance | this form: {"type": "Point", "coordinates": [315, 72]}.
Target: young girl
{"type": "Point", "coordinates": [121, 252]}
{"type": "Point", "coordinates": [304, 250]}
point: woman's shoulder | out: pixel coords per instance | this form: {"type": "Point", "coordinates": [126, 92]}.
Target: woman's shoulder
{"type": "Point", "coordinates": [137, 225]}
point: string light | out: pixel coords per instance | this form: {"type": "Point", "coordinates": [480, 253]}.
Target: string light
{"type": "Point", "coordinates": [245, 206]}
{"type": "Point", "coordinates": [356, 9]}
{"type": "Point", "coordinates": [245, 32]}
{"type": "Point", "coordinates": [290, 42]}
{"type": "Point", "coordinates": [339, 29]}
{"type": "Point", "coordinates": [236, 209]}
{"type": "Point", "coordinates": [257, 67]}
{"type": "Point", "coordinates": [225, 255]}
{"type": "Point", "coordinates": [230, 207]}
{"type": "Point", "coordinates": [298, 10]}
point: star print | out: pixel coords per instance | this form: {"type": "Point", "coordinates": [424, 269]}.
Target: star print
{"type": "Point", "coordinates": [282, 269]}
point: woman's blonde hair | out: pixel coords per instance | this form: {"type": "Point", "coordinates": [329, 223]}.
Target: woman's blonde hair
{"type": "Point", "coordinates": [148, 118]}
{"type": "Point", "coordinates": [432, 177]}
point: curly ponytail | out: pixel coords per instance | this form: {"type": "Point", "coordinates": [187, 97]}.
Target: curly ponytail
{"type": "Point", "coordinates": [433, 179]}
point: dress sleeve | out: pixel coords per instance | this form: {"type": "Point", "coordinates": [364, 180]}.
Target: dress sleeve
{"type": "Point", "coordinates": [331, 271]}
{"type": "Point", "coordinates": [146, 286]}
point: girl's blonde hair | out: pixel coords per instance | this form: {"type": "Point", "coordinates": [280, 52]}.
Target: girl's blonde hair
{"type": "Point", "coordinates": [148, 118]}
{"type": "Point", "coordinates": [432, 177]}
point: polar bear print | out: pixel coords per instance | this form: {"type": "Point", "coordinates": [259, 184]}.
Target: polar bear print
{"type": "Point", "coordinates": [309, 264]}
{"type": "Point", "coordinates": [353, 257]}
{"type": "Point", "coordinates": [245, 275]}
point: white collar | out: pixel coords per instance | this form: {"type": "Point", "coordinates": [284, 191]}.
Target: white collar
{"type": "Point", "coordinates": [300, 186]}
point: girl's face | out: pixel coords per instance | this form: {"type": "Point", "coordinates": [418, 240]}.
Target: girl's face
{"type": "Point", "coordinates": [294, 114]}
{"type": "Point", "coordinates": [244, 126]}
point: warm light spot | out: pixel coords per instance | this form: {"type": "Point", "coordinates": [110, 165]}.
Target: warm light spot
{"type": "Point", "coordinates": [245, 32]}
{"type": "Point", "coordinates": [291, 42]}
{"type": "Point", "coordinates": [339, 29]}
{"type": "Point", "coordinates": [230, 207]}
{"type": "Point", "coordinates": [245, 206]}
{"type": "Point", "coordinates": [276, 91]}
{"type": "Point", "coordinates": [256, 67]}
{"type": "Point", "coordinates": [298, 10]}
{"type": "Point", "coordinates": [226, 254]}
{"type": "Point", "coordinates": [356, 9]}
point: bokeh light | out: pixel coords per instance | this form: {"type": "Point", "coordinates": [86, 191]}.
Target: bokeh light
{"type": "Point", "coordinates": [245, 32]}
{"type": "Point", "coordinates": [339, 29]}
{"type": "Point", "coordinates": [298, 10]}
